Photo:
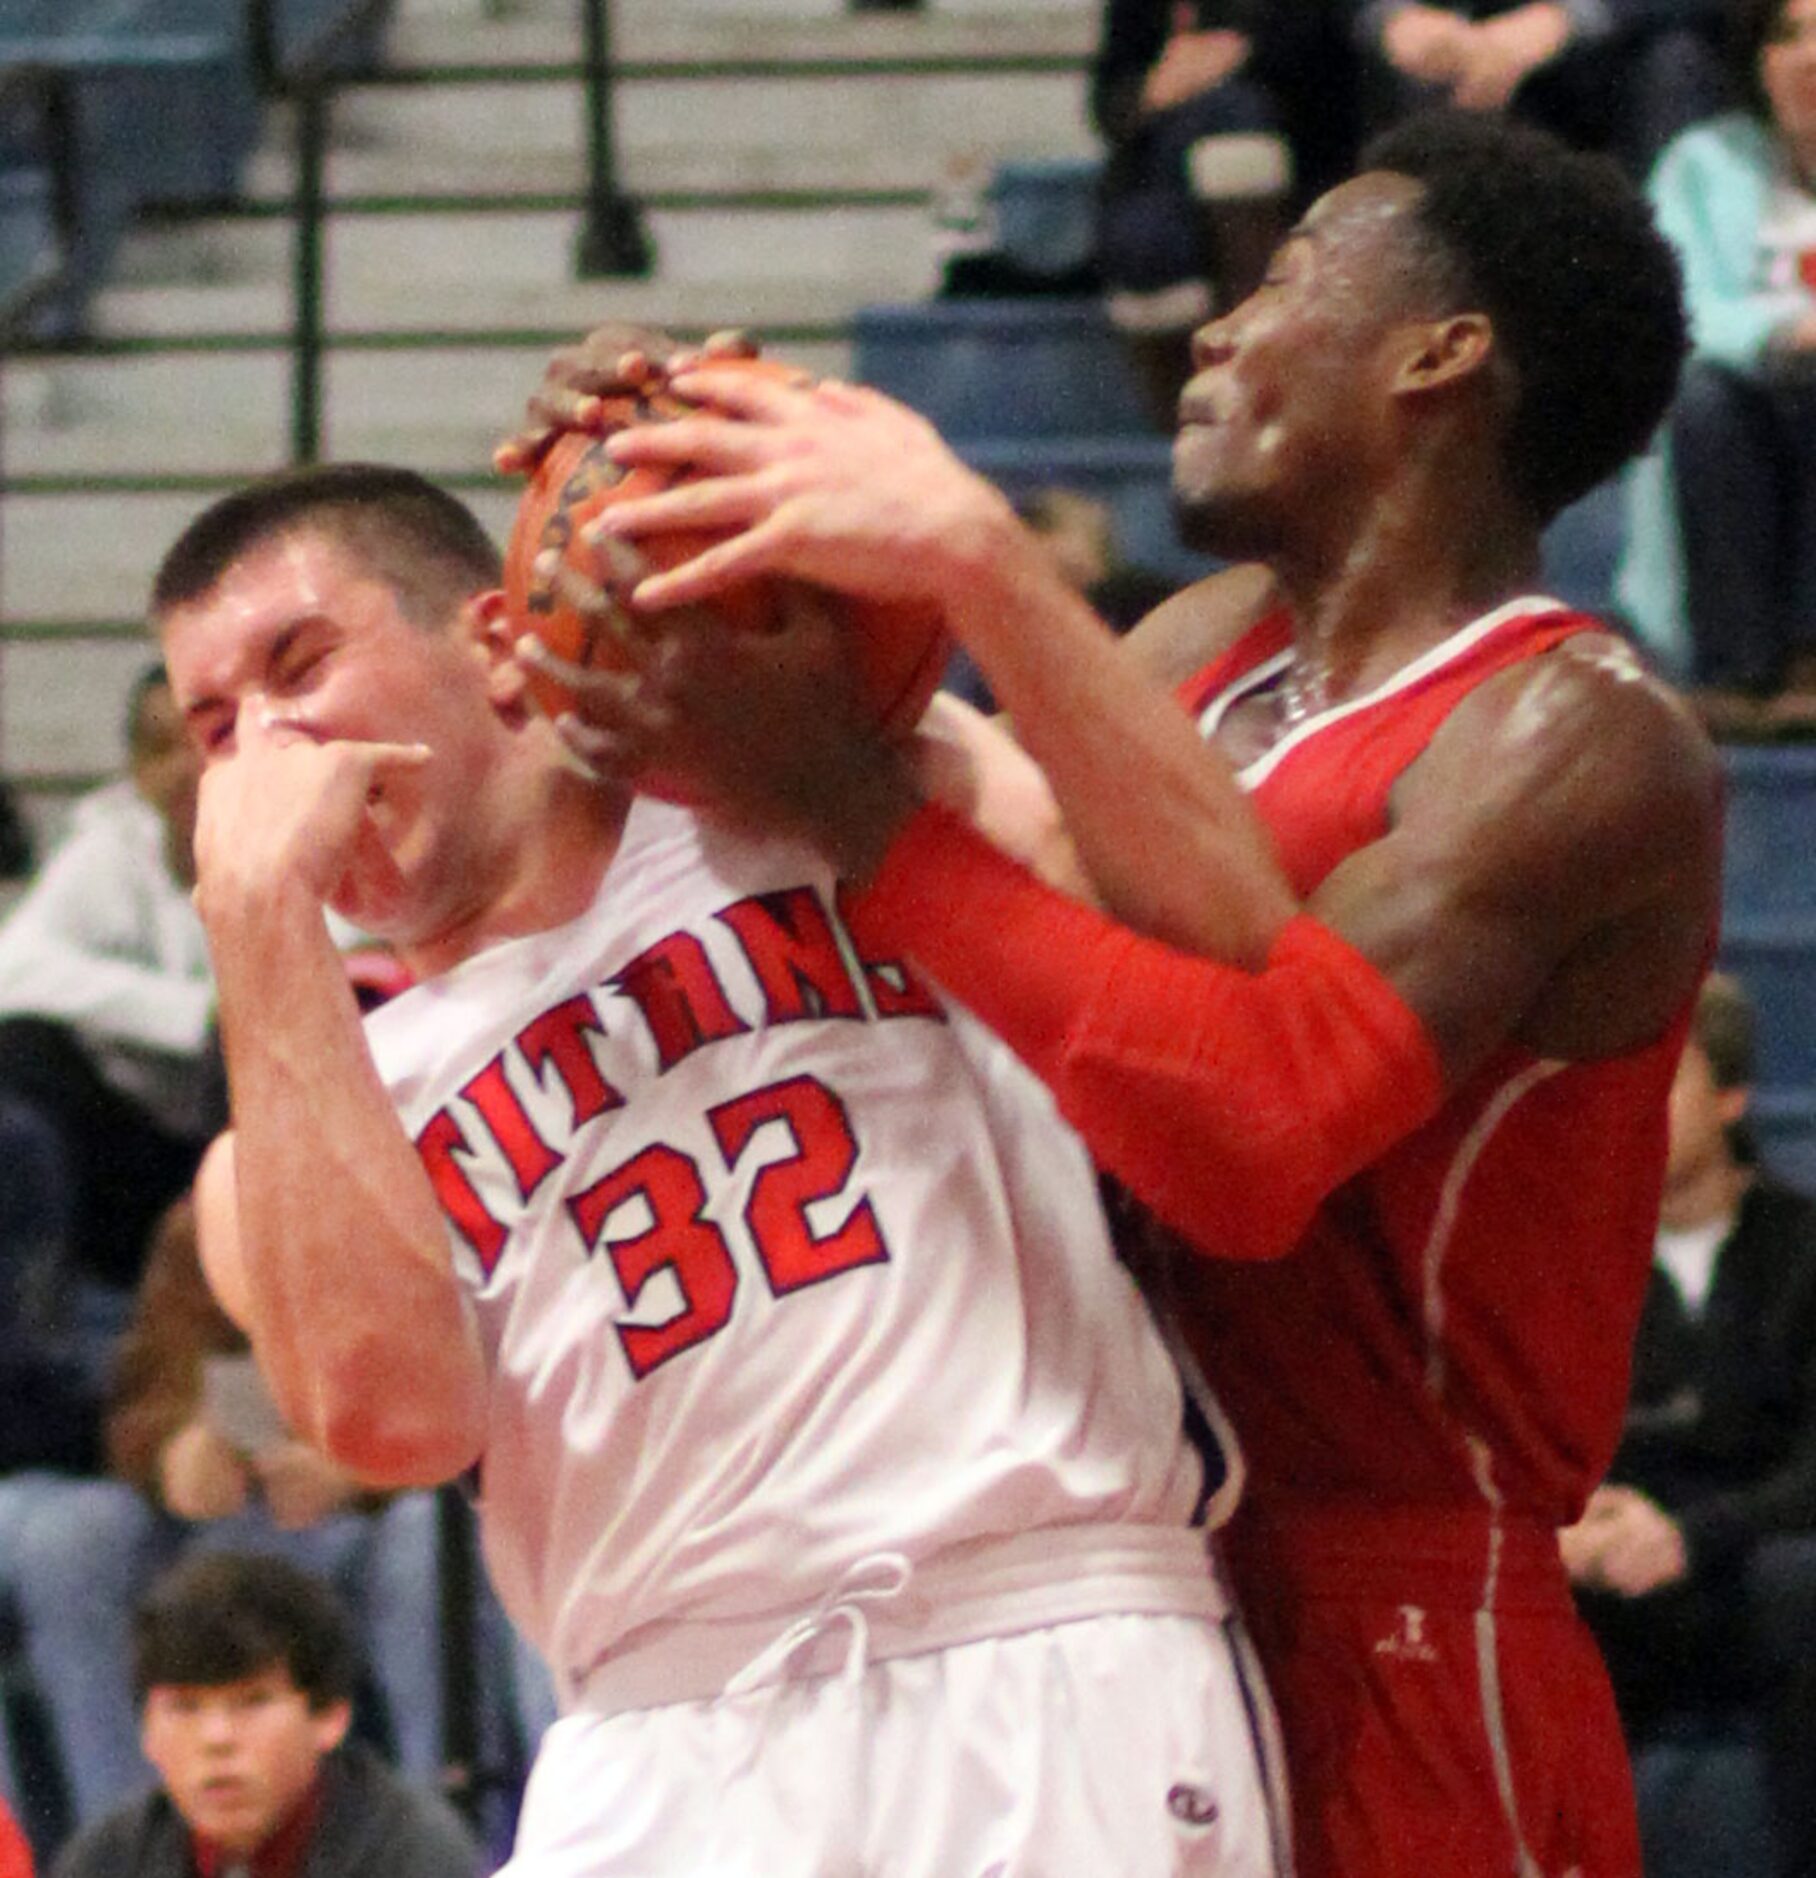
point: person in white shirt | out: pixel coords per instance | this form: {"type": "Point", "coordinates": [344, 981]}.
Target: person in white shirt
{"type": "Point", "coordinates": [107, 1003]}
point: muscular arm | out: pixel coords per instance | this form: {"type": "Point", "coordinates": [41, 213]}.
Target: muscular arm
{"type": "Point", "coordinates": [320, 1231]}
{"type": "Point", "coordinates": [1552, 870]}
{"type": "Point", "coordinates": [1551, 876]}
{"type": "Point", "coordinates": [1551, 873]}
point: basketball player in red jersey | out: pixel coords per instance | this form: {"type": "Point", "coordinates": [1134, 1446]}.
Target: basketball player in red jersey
{"type": "Point", "coordinates": [1397, 925]}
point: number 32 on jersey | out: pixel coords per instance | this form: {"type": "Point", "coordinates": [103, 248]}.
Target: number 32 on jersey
{"type": "Point", "coordinates": [678, 1237]}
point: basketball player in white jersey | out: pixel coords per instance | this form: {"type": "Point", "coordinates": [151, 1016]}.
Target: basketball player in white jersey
{"type": "Point", "coordinates": [820, 1443]}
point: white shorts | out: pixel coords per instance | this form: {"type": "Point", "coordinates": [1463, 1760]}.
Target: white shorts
{"type": "Point", "coordinates": [1113, 1747]}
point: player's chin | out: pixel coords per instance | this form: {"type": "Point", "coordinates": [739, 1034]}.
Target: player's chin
{"type": "Point", "coordinates": [376, 907]}
{"type": "Point", "coordinates": [1219, 520]}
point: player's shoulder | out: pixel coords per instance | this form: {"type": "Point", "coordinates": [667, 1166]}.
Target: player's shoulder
{"type": "Point", "coordinates": [1592, 700]}
{"type": "Point", "coordinates": [1184, 633]}
{"type": "Point", "coordinates": [1585, 744]}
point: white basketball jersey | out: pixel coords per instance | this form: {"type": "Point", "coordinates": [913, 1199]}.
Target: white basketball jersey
{"type": "Point", "coordinates": [778, 1262]}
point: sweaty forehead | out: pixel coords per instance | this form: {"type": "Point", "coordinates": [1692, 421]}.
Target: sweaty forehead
{"type": "Point", "coordinates": [1374, 209]}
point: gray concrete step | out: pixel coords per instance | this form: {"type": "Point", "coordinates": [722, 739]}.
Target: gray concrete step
{"type": "Point", "coordinates": [436, 409]}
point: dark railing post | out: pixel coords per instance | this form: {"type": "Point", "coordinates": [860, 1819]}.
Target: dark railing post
{"type": "Point", "coordinates": [613, 240]}
{"type": "Point", "coordinates": [311, 100]}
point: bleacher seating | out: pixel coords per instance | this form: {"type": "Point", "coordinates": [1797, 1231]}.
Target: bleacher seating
{"type": "Point", "coordinates": [1769, 940]}
{"type": "Point", "coordinates": [1044, 210]}
{"type": "Point", "coordinates": [160, 104]}
{"type": "Point", "coordinates": [30, 249]}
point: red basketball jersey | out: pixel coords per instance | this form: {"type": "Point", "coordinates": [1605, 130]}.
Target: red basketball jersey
{"type": "Point", "coordinates": [1456, 1326]}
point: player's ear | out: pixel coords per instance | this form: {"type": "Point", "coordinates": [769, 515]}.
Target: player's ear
{"type": "Point", "coordinates": [492, 635]}
{"type": "Point", "coordinates": [1445, 352]}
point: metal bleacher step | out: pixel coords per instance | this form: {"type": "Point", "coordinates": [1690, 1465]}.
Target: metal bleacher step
{"type": "Point", "coordinates": [438, 408]}
{"type": "Point", "coordinates": [784, 153]}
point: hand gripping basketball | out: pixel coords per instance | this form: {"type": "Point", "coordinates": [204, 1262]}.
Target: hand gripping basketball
{"type": "Point", "coordinates": [900, 651]}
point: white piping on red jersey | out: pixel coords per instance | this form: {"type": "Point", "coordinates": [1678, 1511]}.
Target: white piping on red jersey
{"type": "Point", "coordinates": [1464, 639]}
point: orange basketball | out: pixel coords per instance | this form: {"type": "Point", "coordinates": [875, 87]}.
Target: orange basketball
{"type": "Point", "coordinates": [901, 649]}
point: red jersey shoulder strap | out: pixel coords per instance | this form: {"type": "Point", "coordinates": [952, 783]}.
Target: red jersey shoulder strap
{"type": "Point", "coordinates": [1521, 629]}
{"type": "Point", "coordinates": [1270, 636]}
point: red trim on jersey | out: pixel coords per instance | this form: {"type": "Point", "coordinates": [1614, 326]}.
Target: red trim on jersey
{"type": "Point", "coordinates": [1230, 1102]}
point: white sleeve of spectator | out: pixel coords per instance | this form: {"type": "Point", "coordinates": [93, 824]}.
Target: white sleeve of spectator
{"type": "Point", "coordinates": [76, 949]}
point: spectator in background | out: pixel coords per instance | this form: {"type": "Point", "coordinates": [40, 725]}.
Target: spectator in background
{"type": "Point", "coordinates": [107, 1009]}
{"type": "Point", "coordinates": [201, 1470]}
{"type": "Point", "coordinates": [1079, 532]}
{"type": "Point", "coordinates": [15, 837]}
{"type": "Point", "coordinates": [1218, 117]}
{"type": "Point", "coordinates": [1721, 542]}
{"type": "Point", "coordinates": [1696, 1563]}
{"type": "Point", "coordinates": [244, 1671]}
{"type": "Point", "coordinates": [1624, 76]}
{"type": "Point", "coordinates": [109, 1088]}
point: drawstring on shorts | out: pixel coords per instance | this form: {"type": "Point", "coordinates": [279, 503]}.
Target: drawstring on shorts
{"type": "Point", "coordinates": [877, 1578]}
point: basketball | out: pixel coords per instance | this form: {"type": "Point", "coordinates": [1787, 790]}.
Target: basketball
{"type": "Point", "coordinates": [900, 649]}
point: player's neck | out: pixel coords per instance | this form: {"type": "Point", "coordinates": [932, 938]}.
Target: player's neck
{"type": "Point", "coordinates": [546, 868]}
{"type": "Point", "coordinates": [1401, 580]}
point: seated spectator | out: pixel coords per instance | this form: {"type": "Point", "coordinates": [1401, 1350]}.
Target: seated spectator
{"type": "Point", "coordinates": [1079, 531]}
{"type": "Point", "coordinates": [1624, 76]}
{"type": "Point", "coordinates": [15, 837]}
{"type": "Point", "coordinates": [243, 1672]}
{"type": "Point", "coordinates": [195, 1473]}
{"type": "Point", "coordinates": [1695, 1564]}
{"type": "Point", "coordinates": [107, 1008]}
{"type": "Point", "coordinates": [1721, 550]}
{"type": "Point", "coordinates": [1217, 117]}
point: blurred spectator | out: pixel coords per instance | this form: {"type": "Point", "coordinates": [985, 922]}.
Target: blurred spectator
{"type": "Point", "coordinates": [1624, 76]}
{"type": "Point", "coordinates": [1721, 550]}
{"type": "Point", "coordinates": [202, 1464]}
{"type": "Point", "coordinates": [1696, 1563]}
{"type": "Point", "coordinates": [107, 1008]}
{"type": "Point", "coordinates": [1217, 117]}
{"type": "Point", "coordinates": [243, 1673]}
{"type": "Point", "coordinates": [15, 837]}
{"type": "Point", "coordinates": [1079, 531]}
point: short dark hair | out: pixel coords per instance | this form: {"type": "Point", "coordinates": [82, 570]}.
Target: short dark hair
{"type": "Point", "coordinates": [425, 544]}
{"type": "Point", "coordinates": [153, 678]}
{"type": "Point", "coordinates": [1723, 1029]}
{"type": "Point", "coordinates": [1560, 250]}
{"type": "Point", "coordinates": [1750, 24]}
{"type": "Point", "coordinates": [219, 1617]}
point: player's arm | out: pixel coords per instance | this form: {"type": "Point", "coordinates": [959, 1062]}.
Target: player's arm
{"type": "Point", "coordinates": [1551, 876]}
{"type": "Point", "coordinates": [847, 489]}
{"type": "Point", "coordinates": [1552, 871]}
{"type": "Point", "coordinates": [320, 1230]}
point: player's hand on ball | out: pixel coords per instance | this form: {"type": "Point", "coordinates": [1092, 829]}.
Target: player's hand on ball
{"type": "Point", "coordinates": [765, 731]}
{"type": "Point", "coordinates": [612, 359]}
{"type": "Point", "coordinates": [823, 482]}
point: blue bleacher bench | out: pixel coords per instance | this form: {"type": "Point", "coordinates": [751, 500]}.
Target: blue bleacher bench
{"type": "Point", "coordinates": [1003, 368]}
